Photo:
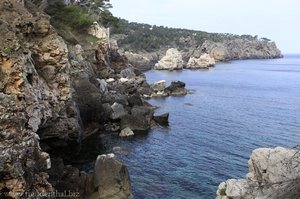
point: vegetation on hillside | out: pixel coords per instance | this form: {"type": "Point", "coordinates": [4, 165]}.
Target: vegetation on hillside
{"type": "Point", "coordinates": [72, 21]}
{"type": "Point", "coordinates": [145, 37]}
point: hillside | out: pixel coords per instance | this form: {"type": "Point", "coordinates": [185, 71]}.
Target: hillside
{"type": "Point", "coordinates": [147, 38]}
{"type": "Point", "coordinates": [152, 42]}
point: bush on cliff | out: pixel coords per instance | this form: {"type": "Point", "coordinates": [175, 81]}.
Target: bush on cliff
{"type": "Point", "coordinates": [71, 16]}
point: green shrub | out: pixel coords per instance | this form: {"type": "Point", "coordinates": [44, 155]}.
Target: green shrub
{"type": "Point", "coordinates": [71, 15]}
{"type": "Point", "coordinates": [223, 192]}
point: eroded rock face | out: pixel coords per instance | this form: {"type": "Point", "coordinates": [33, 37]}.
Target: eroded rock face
{"type": "Point", "coordinates": [138, 61]}
{"type": "Point", "coordinates": [241, 49]}
{"type": "Point", "coordinates": [273, 173]}
{"type": "Point", "coordinates": [171, 61]}
{"type": "Point", "coordinates": [98, 31]}
{"type": "Point", "coordinates": [203, 62]}
{"type": "Point", "coordinates": [35, 96]}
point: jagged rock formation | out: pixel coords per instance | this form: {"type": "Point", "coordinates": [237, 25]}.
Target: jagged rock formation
{"type": "Point", "coordinates": [171, 61]}
{"type": "Point", "coordinates": [36, 102]}
{"type": "Point", "coordinates": [203, 62]}
{"type": "Point", "coordinates": [48, 104]}
{"type": "Point", "coordinates": [241, 49]}
{"type": "Point", "coordinates": [273, 173]}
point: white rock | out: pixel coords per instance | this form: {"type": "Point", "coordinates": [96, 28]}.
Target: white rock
{"type": "Point", "coordinates": [110, 80]}
{"type": "Point", "coordinates": [98, 31]}
{"type": "Point", "coordinates": [172, 61]}
{"type": "Point", "coordinates": [236, 188]}
{"type": "Point", "coordinates": [126, 132]}
{"type": "Point", "coordinates": [273, 173]}
{"type": "Point", "coordinates": [159, 86]}
{"type": "Point", "coordinates": [123, 80]}
{"type": "Point", "coordinates": [204, 61]}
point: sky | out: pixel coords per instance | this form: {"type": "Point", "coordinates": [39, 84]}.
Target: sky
{"type": "Point", "coordinates": [278, 20]}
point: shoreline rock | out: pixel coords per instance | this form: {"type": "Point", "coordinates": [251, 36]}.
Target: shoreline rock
{"type": "Point", "coordinates": [171, 61]}
{"type": "Point", "coordinates": [273, 173]}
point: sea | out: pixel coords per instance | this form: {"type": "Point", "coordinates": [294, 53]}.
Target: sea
{"type": "Point", "coordinates": [234, 108]}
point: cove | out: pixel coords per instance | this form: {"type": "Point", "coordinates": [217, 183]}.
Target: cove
{"type": "Point", "coordinates": [235, 108]}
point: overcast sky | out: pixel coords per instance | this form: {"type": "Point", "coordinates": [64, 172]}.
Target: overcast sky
{"type": "Point", "coordinates": [278, 20]}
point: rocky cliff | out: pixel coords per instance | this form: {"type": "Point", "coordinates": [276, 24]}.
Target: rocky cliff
{"type": "Point", "coordinates": [50, 102]}
{"type": "Point", "coordinates": [273, 173]}
{"type": "Point", "coordinates": [241, 48]}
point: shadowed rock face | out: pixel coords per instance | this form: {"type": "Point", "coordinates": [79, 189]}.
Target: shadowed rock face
{"type": "Point", "coordinates": [273, 173]}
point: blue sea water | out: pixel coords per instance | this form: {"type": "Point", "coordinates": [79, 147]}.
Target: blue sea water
{"type": "Point", "coordinates": [235, 107]}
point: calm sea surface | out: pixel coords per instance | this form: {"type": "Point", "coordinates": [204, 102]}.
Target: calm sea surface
{"type": "Point", "coordinates": [235, 107]}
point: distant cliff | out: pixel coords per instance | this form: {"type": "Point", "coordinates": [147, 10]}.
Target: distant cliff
{"type": "Point", "coordinates": [153, 41]}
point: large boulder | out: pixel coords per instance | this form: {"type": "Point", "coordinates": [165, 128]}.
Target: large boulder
{"type": "Point", "coordinates": [203, 62]}
{"type": "Point", "coordinates": [273, 173]}
{"type": "Point", "coordinates": [162, 119]}
{"type": "Point", "coordinates": [171, 61]}
{"type": "Point", "coordinates": [118, 111]}
{"type": "Point", "coordinates": [139, 119]}
{"type": "Point", "coordinates": [176, 88]}
{"type": "Point", "coordinates": [111, 178]}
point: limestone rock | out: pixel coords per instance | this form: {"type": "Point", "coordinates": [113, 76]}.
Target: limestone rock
{"type": "Point", "coordinates": [118, 111]}
{"type": "Point", "coordinates": [176, 88]}
{"type": "Point", "coordinates": [138, 61]}
{"type": "Point", "coordinates": [128, 73]}
{"type": "Point", "coordinates": [139, 119]}
{"type": "Point", "coordinates": [241, 48]}
{"type": "Point", "coordinates": [171, 61]}
{"type": "Point", "coordinates": [273, 173]}
{"type": "Point", "coordinates": [159, 86]}
{"type": "Point", "coordinates": [204, 62]}
{"type": "Point", "coordinates": [98, 31]}
{"type": "Point", "coordinates": [111, 178]}
{"type": "Point", "coordinates": [126, 132]}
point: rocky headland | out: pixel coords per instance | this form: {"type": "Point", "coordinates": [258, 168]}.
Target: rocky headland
{"type": "Point", "coordinates": [166, 48]}
{"type": "Point", "coordinates": [59, 97]}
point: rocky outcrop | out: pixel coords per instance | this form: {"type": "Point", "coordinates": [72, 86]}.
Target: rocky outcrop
{"type": "Point", "coordinates": [138, 61]}
{"type": "Point", "coordinates": [171, 61]}
{"type": "Point", "coordinates": [203, 62]}
{"type": "Point", "coordinates": [273, 173]}
{"type": "Point", "coordinates": [176, 88]}
{"type": "Point", "coordinates": [36, 102]}
{"type": "Point", "coordinates": [99, 31]}
{"type": "Point", "coordinates": [241, 49]}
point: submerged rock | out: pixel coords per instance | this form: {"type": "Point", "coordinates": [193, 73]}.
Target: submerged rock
{"type": "Point", "coordinates": [273, 173]}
